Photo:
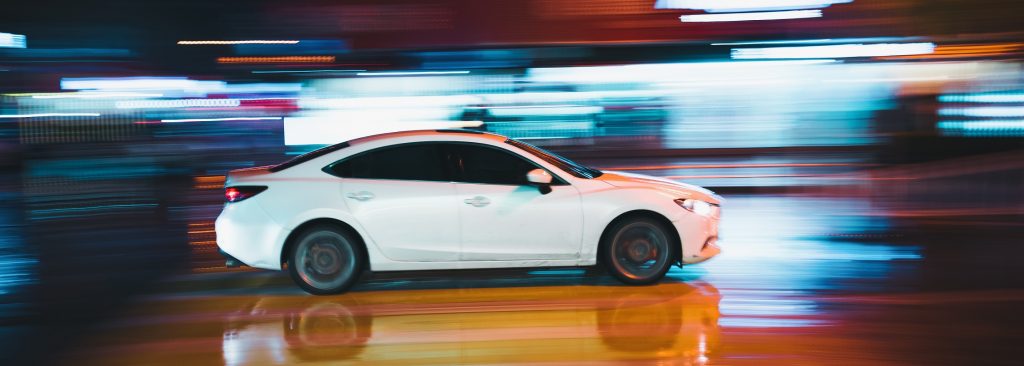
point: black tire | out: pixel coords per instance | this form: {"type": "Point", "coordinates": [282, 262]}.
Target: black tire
{"type": "Point", "coordinates": [325, 260]}
{"type": "Point", "coordinates": [638, 251]}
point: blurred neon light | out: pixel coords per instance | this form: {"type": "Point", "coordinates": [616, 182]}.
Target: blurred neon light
{"type": "Point", "coordinates": [992, 128]}
{"type": "Point", "coordinates": [127, 83]}
{"type": "Point", "coordinates": [891, 80]}
{"type": "Point", "coordinates": [743, 17]}
{"type": "Point", "coordinates": [409, 73]}
{"type": "Point", "coordinates": [326, 129]}
{"type": "Point", "coordinates": [554, 110]}
{"type": "Point", "coordinates": [221, 119]}
{"type": "Point", "coordinates": [193, 87]}
{"type": "Point", "coordinates": [390, 103]}
{"type": "Point", "coordinates": [969, 51]}
{"type": "Point", "coordinates": [257, 41]}
{"type": "Point", "coordinates": [301, 71]}
{"type": "Point", "coordinates": [745, 5]}
{"type": "Point", "coordinates": [275, 59]}
{"type": "Point", "coordinates": [823, 40]}
{"type": "Point", "coordinates": [43, 115]}
{"type": "Point", "coordinates": [834, 51]}
{"type": "Point", "coordinates": [94, 95]}
{"type": "Point", "coordinates": [983, 112]}
{"type": "Point", "coordinates": [983, 98]}
{"type": "Point", "coordinates": [11, 40]}
{"type": "Point", "coordinates": [177, 103]}
{"type": "Point", "coordinates": [752, 322]}
{"type": "Point", "coordinates": [678, 72]}
{"type": "Point", "coordinates": [258, 88]}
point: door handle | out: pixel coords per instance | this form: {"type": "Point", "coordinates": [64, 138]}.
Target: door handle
{"type": "Point", "coordinates": [360, 196]}
{"type": "Point", "coordinates": [478, 201]}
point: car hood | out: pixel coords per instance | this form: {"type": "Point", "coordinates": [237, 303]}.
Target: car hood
{"type": "Point", "coordinates": [682, 190]}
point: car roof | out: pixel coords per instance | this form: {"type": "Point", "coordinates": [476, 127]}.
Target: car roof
{"type": "Point", "coordinates": [414, 133]}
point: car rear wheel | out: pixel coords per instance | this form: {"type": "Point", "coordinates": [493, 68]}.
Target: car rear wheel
{"type": "Point", "coordinates": [325, 260]}
{"type": "Point", "coordinates": [638, 251]}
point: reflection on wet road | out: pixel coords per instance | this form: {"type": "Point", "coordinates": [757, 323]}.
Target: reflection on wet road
{"type": "Point", "coordinates": [469, 326]}
{"type": "Point", "coordinates": [791, 288]}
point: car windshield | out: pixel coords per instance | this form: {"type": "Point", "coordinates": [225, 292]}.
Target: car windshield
{"type": "Point", "coordinates": [576, 169]}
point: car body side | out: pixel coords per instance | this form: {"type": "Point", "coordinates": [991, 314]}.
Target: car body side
{"type": "Point", "coordinates": [256, 231]}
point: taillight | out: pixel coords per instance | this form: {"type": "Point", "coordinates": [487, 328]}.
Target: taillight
{"type": "Point", "coordinates": [238, 193]}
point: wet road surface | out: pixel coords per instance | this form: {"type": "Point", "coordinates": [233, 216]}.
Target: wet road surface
{"type": "Point", "coordinates": [802, 280]}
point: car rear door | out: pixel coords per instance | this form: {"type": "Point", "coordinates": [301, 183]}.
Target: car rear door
{"type": "Point", "coordinates": [402, 196]}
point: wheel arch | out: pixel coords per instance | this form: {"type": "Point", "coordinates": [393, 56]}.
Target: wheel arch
{"type": "Point", "coordinates": [677, 255]}
{"type": "Point", "coordinates": [290, 239]}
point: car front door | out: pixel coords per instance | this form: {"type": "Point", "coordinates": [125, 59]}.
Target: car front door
{"type": "Point", "coordinates": [402, 196]}
{"type": "Point", "coordinates": [505, 218]}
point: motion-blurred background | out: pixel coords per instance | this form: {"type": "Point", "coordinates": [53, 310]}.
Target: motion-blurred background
{"type": "Point", "coordinates": [119, 119]}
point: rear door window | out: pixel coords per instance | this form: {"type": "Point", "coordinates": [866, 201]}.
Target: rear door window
{"type": "Point", "coordinates": [416, 161]}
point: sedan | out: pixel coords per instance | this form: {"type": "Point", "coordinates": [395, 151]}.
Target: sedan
{"type": "Point", "coordinates": [457, 199]}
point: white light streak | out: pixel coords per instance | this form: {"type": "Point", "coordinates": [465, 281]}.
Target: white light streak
{"type": "Point", "coordinates": [657, 73]}
{"type": "Point", "coordinates": [221, 119]}
{"type": "Point", "coordinates": [407, 73]}
{"type": "Point", "coordinates": [982, 125]}
{"type": "Point", "coordinates": [389, 103]}
{"type": "Point", "coordinates": [136, 83]}
{"type": "Point", "coordinates": [255, 41]}
{"type": "Point", "coordinates": [983, 98]}
{"type": "Point", "coordinates": [745, 5]}
{"type": "Point", "coordinates": [552, 110]}
{"type": "Point", "coordinates": [300, 71]}
{"type": "Point", "coordinates": [328, 128]}
{"type": "Point", "coordinates": [834, 51]}
{"type": "Point", "coordinates": [982, 128]}
{"type": "Point", "coordinates": [743, 17]}
{"type": "Point", "coordinates": [177, 103]}
{"type": "Point", "coordinates": [11, 40]}
{"type": "Point", "coordinates": [983, 112]}
{"type": "Point", "coordinates": [892, 80]}
{"type": "Point", "coordinates": [95, 95]}
{"type": "Point", "coordinates": [44, 115]}
{"type": "Point", "coordinates": [823, 40]}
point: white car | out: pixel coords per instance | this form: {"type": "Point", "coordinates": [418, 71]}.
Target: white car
{"type": "Point", "coordinates": [457, 199]}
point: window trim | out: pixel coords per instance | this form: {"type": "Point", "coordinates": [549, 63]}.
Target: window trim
{"type": "Point", "coordinates": [448, 169]}
{"type": "Point", "coordinates": [445, 170]}
{"type": "Point", "coordinates": [323, 151]}
{"type": "Point", "coordinates": [527, 147]}
{"type": "Point", "coordinates": [555, 179]}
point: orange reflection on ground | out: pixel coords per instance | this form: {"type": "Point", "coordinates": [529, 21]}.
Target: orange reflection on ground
{"type": "Point", "coordinates": [675, 323]}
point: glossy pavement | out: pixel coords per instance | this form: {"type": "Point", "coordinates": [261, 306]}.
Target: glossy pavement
{"type": "Point", "coordinates": [795, 286]}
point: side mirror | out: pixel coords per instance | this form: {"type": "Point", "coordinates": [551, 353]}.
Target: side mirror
{"type": "Point", "coordinates": [541, 179]}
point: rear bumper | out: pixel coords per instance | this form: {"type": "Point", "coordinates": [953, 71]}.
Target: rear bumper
{"type": "Point", "coordinates": [246, 233]}
{"type": "Point", "coordinates": [230, 261]}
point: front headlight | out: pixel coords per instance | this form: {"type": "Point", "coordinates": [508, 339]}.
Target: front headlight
{"type": "Point", "coordinates": [696, 206]}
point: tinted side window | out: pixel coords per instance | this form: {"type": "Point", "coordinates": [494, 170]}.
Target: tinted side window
{"type": "Point", "coordinates": [480, 164]}
{"type": "Point", "coordinates": [403, 162]}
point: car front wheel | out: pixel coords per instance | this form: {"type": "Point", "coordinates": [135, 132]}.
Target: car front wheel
{"type": "Point", "coordinates": [325, 260]}
{"type": "Point", "coordinates": [638, 251]}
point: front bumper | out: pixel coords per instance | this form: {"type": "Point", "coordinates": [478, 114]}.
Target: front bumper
{"type": "Point", "coordinates": [699, 237]}
{"type": "Point", "coordinates": [708, 250]}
